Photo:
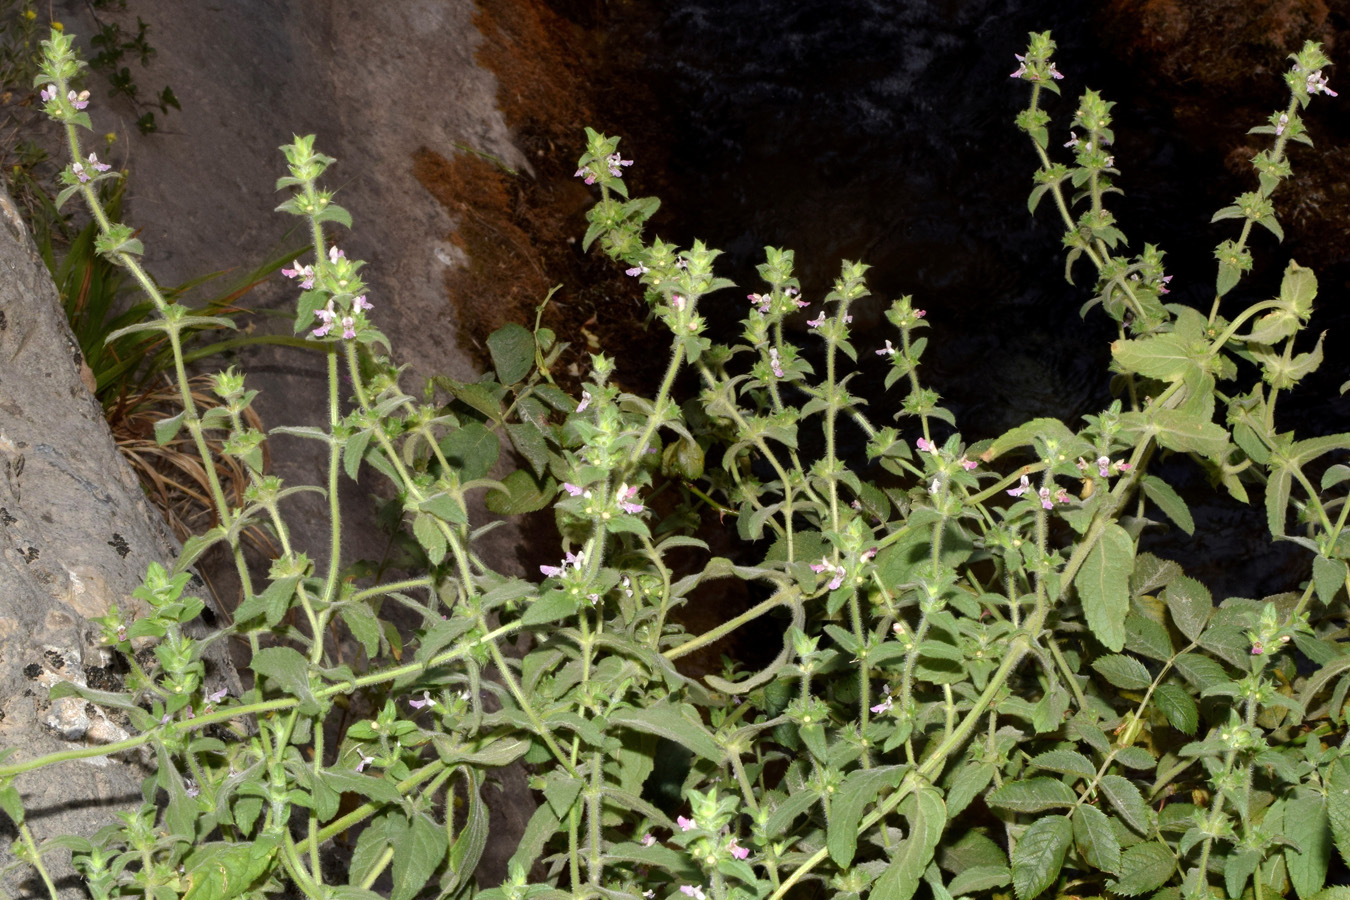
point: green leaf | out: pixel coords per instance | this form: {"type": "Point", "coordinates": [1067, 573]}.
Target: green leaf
{"type": "Point", "coordinates": [221, 871]}
{"type": "Point", "coordinates": [977, 879]}
{"type": "Point", "coordinates": [512, 349]}
{"type": "Point", "coordinates": [1277, 499]}
{"type": "Point", "coordinates": [429, 535]}
{"type": "Point", "coordinates": [1298, 288]}
{"type": "Point", "coordinates": [472, 449]}
{"type": "Point", "coordinates": [927, 818]}
{"type": "Point", "coordinates": [1025, 435]}
{"type": "Point", "coordinates": [289, 670]}
{"type": "Point", "coordinates": [1068, 762]}
{"type": "Point", "coordinates": [1338, 805]}
{"type": "Point", "coordinates": [550, 607]}
{"type": "Point", "coordinates": [1039, 855]}
{"type": "Point", "coordinates": [1166, 357]}
{"type": "Point", "coordinates": [1186, 432]}
{"type": "Point", "coordinates": [1032, 795]}
{"type": "Point", "coordinates": [1096, 839]}
{"type": "Point", "coordinates": [1176, 703]}
{"type": "Point", "coordinates": [167, 429]}
{"type": "Point", "coordinates": [523, 494]}
{"type": "Point", "coordinates": [468, 847]}
{"type": "Point", "coordinates": [529, 442]}
{"type": "Point", "coordinates": [1201, 671]}
{"type": "Point", "coordinates": [1127, 800]}
{"type": "Point", "coordinates": [444, 507]}
{"type": "Point", "coordinates": [11, 803]}
{"type": "Point", "coordinates": [561, 791]}
{"type": "Point", "coordinates": [668, 722]}
{"type": "Point", "coordinates": [365, 627]}
{"type": "Point", "coordinates": [1190, 604]}
{"type": "Point", "coordinates": [1104, 586]}
{"type": "Point", "coordinates": [417, 854]}
{"type": "Point", "coordinates": [1144, 867]}
{"type": "Point", "coordinates": [854, 795]}
{"type": "Point", "coordinates": [1237, 868]}
{"type": "Point", "coordinates": [1169, 501]}
{"type": "Point", "coordinates": [970, 781]}
{"type": "Point", "coordinates": [1124, 672]}
{"type": "Point", "coordinates": [1148, 637]}
{"type": "Point", "coordinates": [1328, 577]}
{"type": "Point", "coordinates": [1305, 823]}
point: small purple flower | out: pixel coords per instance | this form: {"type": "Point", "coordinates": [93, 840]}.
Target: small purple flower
{"type": "Point", "coordinates": [1317, 84]}
{"type": "Point", "coordinates": [79, 172]}
{"type": "Point", "coordinates": [348, 327]}
{"type": "Point", "coordinates": [677, 302]}
{"type": "Point", "coordinates": [614, 161]}
{"type": "Point", "coordinates": [626, 496]}
{"type": "Point", "coordinates": [884, 705]}
{"type": "Point", "coordinates": [1162, 286]}
{"type": "Point", "coordinates": [81, 100]}
{"type": "Point", "coordinates": [888, 350]}
{"type": "Point", "coordinates": [362, 304]}
{"type": "Point", "coordinates": [737, 850]}
{"type": "Point", "coordinates": [191, 788]}
{"type": "Point", "coordinates": [1284, 120]}
{"type": "Point", "coordinates": [572, 489]}
{"type": "Point", "coordinates": [817, 321]}
{"type": "Point", "coordinates": [968, 464]}
{"type": "Point", "coordinates": [775, 363]}
{"type": "Point", "coordinates": [926, 445]}
{"type": "Point", "coordinates": [305, 274]}
{"type": "Point", "coordinates": [685, 824]}
{"type": "Point", "coordinates": [585, 174]}
{"type": "Point", "coordinates": [572, 560]}
{"type": "Point", "coordinates": [326, 315]}
{"type": "Point", "coordinates": [585, 401]}
{"type": "Point", "coordinates": [1054, 73]}
{"type": "Point", "coordinates": [334, 254]}
{"type": "Point", "coordinates": [1021, 66]}
{"type": "Point", "coordinates": [365, 761]}
{"type": "Point", "coordinates": [837, 572]}
{"type": "Point", "coordinates": [1103, 466]}
{"type": "Point", "coordinates": [424, 702]}
{"type": "Point", "coordinates": [96, 165]}
{"type": "Point", "coordinates": [48, 93]}
{"type": "Point", "coordinates": [693, 890]}
{"type": "Point", "coordinates": [637, 270]}
{"type": "Point", "coordinates": [217, 696]}
{"type": "Point", "coordinates": [648, 839]}
{"type": "Point", "coordinates": [1258, 648]}
{"type": "Point", "coordinates": [1072, 141]}
{"type": "Point", "coordinates": [1021, 488]}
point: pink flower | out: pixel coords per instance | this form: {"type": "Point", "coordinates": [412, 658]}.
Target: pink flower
{"type": "Point", "coordinates": [365, 761]}
{"type": "Point", "coordinates": [326, 315]}
{"type": "Point", "coordinates": [920, 313]}
{"type": "Point", "coordinates": [1103, 466]}
{"type": "Point", "coordinates": [334, 254]}
{"type": "Point", "coordinates": [737, 850]}
{"type": "Point", "coordinates": [79, 172]}
{"type": "Point", "coordinates": [1021, 67]}
{"type": "Point", "coordinates": [217, 696]}
{"type": "Point", "coordinates": [362, 304]}
{"type": "Point", "coordinates": [968, 464]}
{"type": "Point", "coordinates": [96, 165]}
{"type": "Point", "coordinates": [888, 350]}
{"type": "Point", "coordinates": [1072, 141]}
{"type": "Point", "coordinates": [677, 302]}
{"type": "Point", "coordinates": [304, 273]}
{"type": "Point", "coordinates": [585, 401]}
{"type": "Point", "coordinates": [1284, 120]}
{"type": "Point", "coordinates": [614, 161]}
{"type": "Point", "coordinates": [774, 363]}
{"type": "Point", "coordinates": [925, 445]}
{"type": "Point", "coordinates": [884, 705]}
{"type": "Point", "coordinates": [1316, 85]}
{"type": "Point", "coordinates": [424, 702]}
{"type": "Point", "coordinates": [685, 824]}
{"type": "Point", "coordinates": [636, 271]}
{"type": "Point", "coordinates": [81, 100]}
{"type": "Point", "coordinates": [586, 174]}
{"type": "Point", "coordinates": [348, 327]}
{"type": "Point", "coordinates": [837, 572]}
{"type": "Point", "coordinates": [571, 489]}
{"type": "Point", "coordinates": [1258, 648]}
{"type": "Point", "coordinates": [626, 495]}
{"type": "Point", "coordinates": [1021, 488]}
{"type": "Point", "coordinates": [572, 560]}
{"type": "Point", "coordinates": [648, 840]}
{"type": "Point", "coordinates": [691, 890]}
{"type": "Point", "coordinates": [817, 321]}
{"type": "Point", "coordinates": [48, 93]}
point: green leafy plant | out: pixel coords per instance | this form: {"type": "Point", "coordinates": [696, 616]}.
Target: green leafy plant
{"type": "Point", "coordinates": [984, 687]}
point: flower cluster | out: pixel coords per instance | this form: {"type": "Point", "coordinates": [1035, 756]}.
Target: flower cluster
{"type": "Point", "coordinates": [1047, 497]}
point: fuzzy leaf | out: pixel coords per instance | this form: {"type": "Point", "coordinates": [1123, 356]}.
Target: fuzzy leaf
{"type": "Point", "coordinates": [1124, 672]}
{"type": "Point", "coordinates": [1039, 855]}
{"type": "Point", "coordinates": [1127, 800]}
{"type": "Point", "coordinates": [1096, 839]}
{"type": "Point", "coordinates": [1176, 703]}
{"type": "Point", "coordinates": [1144, 867]}
{"type": "Point", "coordinates": [1032, 795]}
{"type": "Point", "coordinates": [417, 854]}
{"type": "Point", "coordinates": [512, 349]}
{"type": "Point", "coordinates": [1190, 604]}
{"type": "Point", "coordinates": [1169, 501]}
{"type": "Point", "coordinates": [859, 790]}
{"type": "Point", "coordinates": [1305, 823]}
{"type": "Point", "coordinates": [1328, 577]}
{"type": "Point", "coordinates": [1338, 805]}
{"type": "Point", "coordinates": [1104, 586]}
{"type": "Point", "coordinates": [926, 817]}
{"type": "Point", "coordinates": [1068, 762]}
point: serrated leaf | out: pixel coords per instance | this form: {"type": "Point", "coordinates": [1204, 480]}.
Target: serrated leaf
{"type": "Point", "coordinates": [1127, 800]}
{"type": "Point", "coordinates": [364, 625]}
{"type": "Point", "coordinates": [859, 790]}
{"type": "Point", "coordinates": [288, 669]}
{"type": "Point", "coordinates": [1104, 586]}
{"type": "Point", "coordinates": [1190, 604]}
{"type": "Point", "coordinates": [1237, 868]}
{"type": "Point", "coordinates": [1305, 823]}
{"type": "Point", "coordinates": [1135, 758]}
{"type": "Point", "coordinates": [1067, 762]}
{"type": "Point", "coordinates": [1124, 672]}
{"type": "Point", "coordinates": [668, 722]}
{"type": "Point", "coordinates": [530, 443]}
{"type": "Point", "coordinates": [1328, 577]}
{"type": "Point", "coordinates": [971, 779]}
{"type": "Point", "coordinates": [1200, 671]}
{"type": "Point", "coordinates": [523, 494]}
{"type": "Point", "coordinates": [1039, 855]}
{"type": "Point", "coordinates": [1147, 637]}
{"type": "Point", "coordinates": [926, 817]}
{"type": "Point", "coordinates": [429, 535]}
{"type": "Point", "coordinates": [1176, 703]}
{"type": "Point", "coordinates": [550, 607]}
{"type": "Point", "coordinates": [976, 879]}
{"type": "Point", "coordinates": [1143, 868]}
{"type": "Point", "coordinates": [1166, 357]}
{"type": "Point", "coordinates": [472, 449]}
{"type": "Point", "coordinates": [1032, 795]}
{"type": "Point", "coordinates": [512, 349]}
{"type": "Point", "coordinates": [417, 854]}
{"type": "Point", "coordinates": [1169, 501]}
{"type": "Point", "coordinates": [1096, 839]}
{"type": "Point", "coordinates": [1338, 805]}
